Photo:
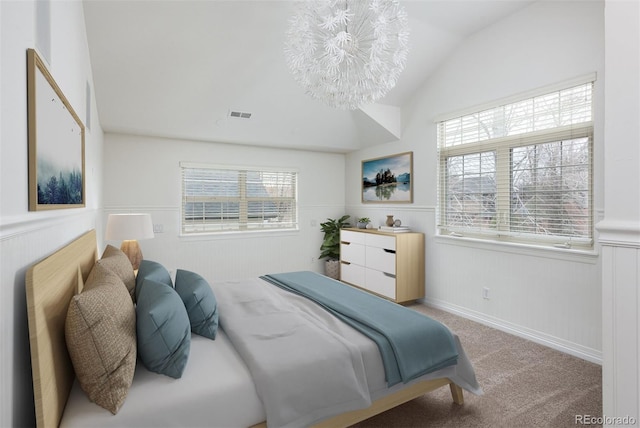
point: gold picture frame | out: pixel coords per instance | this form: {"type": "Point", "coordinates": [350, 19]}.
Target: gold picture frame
{"type": "Point", "coordinates": [388, 179]}
{"type": "Point", "coordinates": [56, 143]}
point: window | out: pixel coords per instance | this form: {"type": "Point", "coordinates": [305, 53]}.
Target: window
{"type": "Point", "coordinates": [224, 199]}
{"type": "Point", "coordinates": [520, 171]}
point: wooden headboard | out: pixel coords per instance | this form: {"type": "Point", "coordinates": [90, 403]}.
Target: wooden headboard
{"type": "Point", "coordinates": [50, 285]}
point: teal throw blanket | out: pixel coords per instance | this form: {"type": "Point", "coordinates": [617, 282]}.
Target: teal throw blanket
{"type": "Point", "coordinates": [411, 344]}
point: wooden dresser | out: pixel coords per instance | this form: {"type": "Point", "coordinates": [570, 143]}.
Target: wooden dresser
{"type": "Point", "coordinates": [388, 264]}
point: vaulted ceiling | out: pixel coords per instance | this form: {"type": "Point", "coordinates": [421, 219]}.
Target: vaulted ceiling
{"type": "Point", "coordinates": [177, 68]}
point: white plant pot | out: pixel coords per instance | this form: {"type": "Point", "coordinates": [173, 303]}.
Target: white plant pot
{"type": "Point", "coordinates": [332, 268]}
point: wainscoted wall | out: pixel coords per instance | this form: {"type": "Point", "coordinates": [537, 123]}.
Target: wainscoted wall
{"type": "Point", "coordinates": [21, 245]}
{"type": "Point", "coordinates": [620, 229]}
{"type": "Point", "coordinates": [143, 174]}
{"type": "Point", "coordinates": [621, 327]}
{"type": "Point", "coordinates": [57, 30]}
{"type": "Point", "coordinates": [551, 296]}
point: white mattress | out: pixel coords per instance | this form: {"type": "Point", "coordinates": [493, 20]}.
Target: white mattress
{"type": "Point", "coordinates": [216, 389]}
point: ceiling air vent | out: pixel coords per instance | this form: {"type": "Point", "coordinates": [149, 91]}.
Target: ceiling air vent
{"type": "Point", "coordinates": [239, 114]}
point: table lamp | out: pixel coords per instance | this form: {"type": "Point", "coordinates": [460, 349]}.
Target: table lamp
{"type": "Point", "coordinates": [129, 228]}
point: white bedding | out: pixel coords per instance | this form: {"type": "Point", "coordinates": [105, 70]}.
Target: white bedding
{"type": "Point", "coordinates": [461, 374]}
{"type": "Point", "coordinates": [303, 372]}
{"type": "Point", "coordinates": [216, 389]}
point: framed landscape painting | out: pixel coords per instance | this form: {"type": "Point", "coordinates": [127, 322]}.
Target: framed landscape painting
{"type": "Point", "coordinates": [56, 143]}
{"type": "Point", "coordinates": [388, 179]}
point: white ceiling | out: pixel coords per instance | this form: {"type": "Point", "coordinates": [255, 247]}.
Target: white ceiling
{"type": "Point", "coordinates": [176, 68]}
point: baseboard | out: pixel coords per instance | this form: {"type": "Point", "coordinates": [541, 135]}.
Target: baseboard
{"type": "Point", "coordinates": [558, 344]}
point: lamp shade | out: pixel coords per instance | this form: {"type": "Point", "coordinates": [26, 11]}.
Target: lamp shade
{"type": "Point", "coordinates": [129, 227]}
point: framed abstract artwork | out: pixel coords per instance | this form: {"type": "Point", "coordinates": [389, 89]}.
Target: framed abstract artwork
{"type": "Point", "coordinates": [56, 143]}
{"type": "Point", "coordinates": [388, 179]}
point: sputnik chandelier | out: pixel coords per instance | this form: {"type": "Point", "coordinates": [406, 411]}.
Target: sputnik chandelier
{"type": "Point", "coordinates": [347, 53]}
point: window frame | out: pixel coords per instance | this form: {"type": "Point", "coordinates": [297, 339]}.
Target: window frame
{"type": "Point", "coordinates": [244, 223]}
{"type": "Point", "coordinates": [503, 147]}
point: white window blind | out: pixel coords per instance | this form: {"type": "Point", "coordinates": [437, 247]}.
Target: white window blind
{"type": "Point", "coordinates": [520, 171]}
{"type": "Point", "coordinates": [224, 199]}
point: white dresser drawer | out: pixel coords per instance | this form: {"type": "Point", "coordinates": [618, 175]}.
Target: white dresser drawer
{"type": "Point", "coordinates": [381, 241]}
{"type": "Point", "coordinates": [353, 237]}
{"type": "Point", "coordinates": [352, 253]}
{"type": "Point", "coordinates": [380, 283]}
{"type": "Point", "coordinates": [353, 274]}
{"type": "Point", "coordinates": [381, 259]}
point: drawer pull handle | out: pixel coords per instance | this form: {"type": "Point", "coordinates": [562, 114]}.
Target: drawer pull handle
{"type": "Point", "coordinates": [345, 263]}
{"type": "Point", "coordinates": [390, 275]}
{"type": "Point", "coordinates": [345, 243]}
{"type": "Point", "coordinates": [389, 251]}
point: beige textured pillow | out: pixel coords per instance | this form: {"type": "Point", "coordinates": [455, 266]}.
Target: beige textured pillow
{"type": "Point", "coordinates": [100, 330]}
{"type": "Point", "coordinates": [118, 262]}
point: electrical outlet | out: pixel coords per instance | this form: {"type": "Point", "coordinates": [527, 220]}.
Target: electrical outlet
{"type": "Point", "coordinates": [485, 293]}
{"type": "Point", "coordinates": [158, 228]}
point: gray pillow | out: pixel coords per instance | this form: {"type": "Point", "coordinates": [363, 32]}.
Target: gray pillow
{"type": "Point", "coordinates": [152, 270]}
{"type": "Point", "coordinates": [163, 329]}
{"type": "Point", "coordinates": [200, 302]}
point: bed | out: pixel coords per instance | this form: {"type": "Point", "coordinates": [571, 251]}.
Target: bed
{"type": "Point", "coordinates": [216, 388]}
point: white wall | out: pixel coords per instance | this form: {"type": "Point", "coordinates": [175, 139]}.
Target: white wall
{"type": "Point", "coordinates": [143, 174]}
{"type": "Point", "coordinates": [550, 296]}
{"type": "Point", "coordinates": [57, 31]}
{"type": "Point", "coordinates": [620, 229]}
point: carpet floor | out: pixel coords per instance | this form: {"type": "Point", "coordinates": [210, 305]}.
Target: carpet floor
{"type": "Point", "coordinates": [525, 385]}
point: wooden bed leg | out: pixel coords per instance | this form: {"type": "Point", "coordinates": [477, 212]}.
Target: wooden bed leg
{"type": "Point", "coordinates": [456, 394]}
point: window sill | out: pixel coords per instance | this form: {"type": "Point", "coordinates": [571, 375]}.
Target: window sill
{"type": "Point", "coordinates": [212, 236]}
{"type": "Point", "coordinates": [572, 255]}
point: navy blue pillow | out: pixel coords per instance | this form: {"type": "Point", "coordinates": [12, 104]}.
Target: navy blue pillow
{"type": "Point", "coordinates": [163, 329]}
{"type": "Point", "coordinates": [200, 302]}
{"type": "Point", "coordinates": [152, 270]}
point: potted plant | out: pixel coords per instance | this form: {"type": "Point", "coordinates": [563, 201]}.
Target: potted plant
{"type": "Point", "coordinates": [363, 222]}
{"type": "Point", "coordinates": [330, 248]}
